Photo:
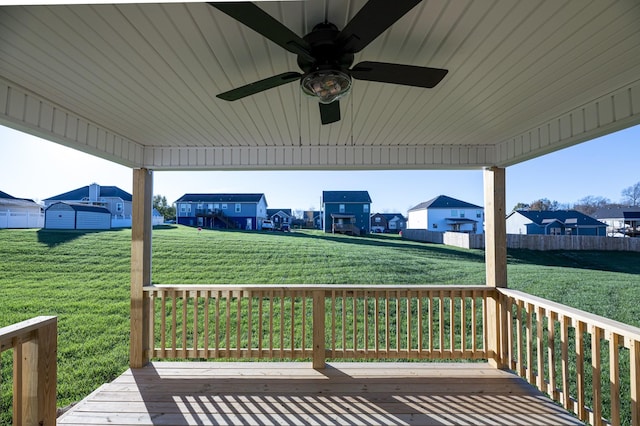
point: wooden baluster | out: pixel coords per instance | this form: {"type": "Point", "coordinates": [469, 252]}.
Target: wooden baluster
{"type": "Point", "coordinates": [540, 380]}
{"type": "Point", "coordinates": [581, 412]}
{"type": "Point", "coordinates": [596, 403]}
{"type": "Point", "coordinates": [163, 324]}
{"type": "Point", "coordinates": [635, 381]}
{"type": "Point", "coordinates": [318, 329]}
{"type": "Point", "coordinates": [207, 298]}
{"type": "Point", "coordinates": [530, 363]}
{"type": "Point", "coordinates": [183, 353]}
{"type": "Point", "coordinates": [564, 339]}
{"type": "Point", "coordinates": [614, 378]}
{"type": "Point", "coordinates": [420, 325]}
{"type": "Point", "coordinates": [551, 355]}
{"type": "Point", "coordinates": [174, 324]}
{"type": "Point", "coordinates": [195, 323]}
{"type": "Point", "coordinates": [260, 324]}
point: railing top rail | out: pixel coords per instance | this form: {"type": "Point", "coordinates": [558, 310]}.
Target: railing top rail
{"type": "Point", "coordinates": [325, 287]}
{"type": "Point", "coordinates": [620, 328]}
{"type": "Point", "coordinates": [21, 329]}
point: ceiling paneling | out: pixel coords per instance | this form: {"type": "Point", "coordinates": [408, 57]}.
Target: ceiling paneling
{"type": "Point", "coordinates": [140, 82]}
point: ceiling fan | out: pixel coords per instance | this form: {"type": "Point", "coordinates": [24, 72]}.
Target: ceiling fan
{"type": "Point", "coordinates": [326, 54]}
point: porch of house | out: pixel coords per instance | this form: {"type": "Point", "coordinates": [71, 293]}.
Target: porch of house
{"type": "Point", "coordinates": [277, 393]}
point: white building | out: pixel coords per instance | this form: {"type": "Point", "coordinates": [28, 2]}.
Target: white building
{"type": "Point", "coordinates": [446, 214]}
{"type": "Point", "coordinates": [19, 212]}
{"type": "Point", "coordinates": [76, 216]}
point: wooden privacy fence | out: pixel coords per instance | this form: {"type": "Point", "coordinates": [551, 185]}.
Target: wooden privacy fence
{"type": "Point", "coordinates": [589, 364]}
{"type": "Point", "coordinates": [34, 344]}
{"type": "Point", "coordinates": [352, 322]}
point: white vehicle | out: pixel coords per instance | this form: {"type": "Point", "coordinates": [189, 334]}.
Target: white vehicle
{"type": "Point", "coordinates": [267, 225]}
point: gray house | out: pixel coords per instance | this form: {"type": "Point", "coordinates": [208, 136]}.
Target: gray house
{"type": "Point", "coordinates": [346, 212]}
{"type": "Point", "coordinates": [239, 211]}
{"type": "Point", "coordinates": [115, 200]}
{"type": "Point", "coordinates": [557, 222]}
{"type": "Point", "coordinates": [621, 221]}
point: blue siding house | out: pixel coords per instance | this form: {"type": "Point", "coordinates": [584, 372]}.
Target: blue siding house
{"type": "Point", "coordinates": [234, 211]}
{"type": "Point", "coordinates": [346, 212]}
{"type": "Point", "coordinates": [559, 222]}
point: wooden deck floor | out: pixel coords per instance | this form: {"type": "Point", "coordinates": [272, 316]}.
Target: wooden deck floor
{"type": "Point", "coordinates": [258, 393]}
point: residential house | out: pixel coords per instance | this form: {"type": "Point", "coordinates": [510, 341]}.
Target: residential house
{"type": "Point", "coordinates": [346, 212]}
{"type": "Point", "coordinates": [76, 216]}
{"type": "Point", "coordinates": [621, 221]}
{"type": "Point", "coordinates": [312, 219]}
{"type": "Point", "coordinates": [281, 218]}
{"type": "Point", "coordinates": [446, 214]}
{"type": "Point", "coordinates": [557, 222]}
{"type": "Point", "coordinates": [388, 222]}
{"type": "Point", "coordinates": [19, 212]}
{"type": "Point", "coordinates": [239, 211]}
{"type": "Point", "coordinates": [112, 198]}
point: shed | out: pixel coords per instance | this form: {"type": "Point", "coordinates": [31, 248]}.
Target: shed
{"type": "Point", "coordinates": [76, 216]}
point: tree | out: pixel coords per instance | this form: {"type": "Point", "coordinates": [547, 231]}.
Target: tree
{"type": "Point", "coordinates": [520, 206]}
{"type": "Point", "coordinates": [631, 195]}
{"type": "Point", "coordinates": [160, 204]}
{"type": "Point", "coordinates": [589, 204]}
{"type": "Point", "coordinates": [544, 204]}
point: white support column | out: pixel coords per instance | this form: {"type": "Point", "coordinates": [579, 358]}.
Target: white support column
{"type": "Point", "coordinates": [140, 265]}
{"type": "Point", "coordinates": [496, 262]}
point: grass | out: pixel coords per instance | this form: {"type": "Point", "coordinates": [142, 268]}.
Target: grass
{"type": "Point", "coordinates": [83, 278]}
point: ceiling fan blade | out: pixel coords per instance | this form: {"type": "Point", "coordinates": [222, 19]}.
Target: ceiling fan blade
{"type": "Point", "coordinates": [260, 21]}
{"type": "Point", "coordinates": [330, 113]}
{"type": "Point", "coordinates": [259, 86]}
{"type": "Point", "coordinates": [407, 75]}
{"type": "Point", "coordinates": [372, 20]}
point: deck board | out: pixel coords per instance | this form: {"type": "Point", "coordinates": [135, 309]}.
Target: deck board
{"type": "Point", "coordinates": [258, 393]}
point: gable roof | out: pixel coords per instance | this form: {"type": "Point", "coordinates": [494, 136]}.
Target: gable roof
{"type": "Point", "coordinates": [271, 212]}
{"type": "Point", "coordinates": [445, 202]}
{"type": "Point", "coordinates": [346, 197]}
{"type": "Point", "coordinates": [80, 193]}
{"type": "Point", "coordinates": [81, 207]}
{"type": "Point", "coordinates": [220, 198]}
{"type": "Point", "coordinates": [566, 217]}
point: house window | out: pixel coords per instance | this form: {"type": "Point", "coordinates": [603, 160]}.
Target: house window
{"type": "Point", "coordinates": [377, 219]}
{"type": "Point", "coordinates": [199, 206]}
{"type": "Point", "coordinates": [224, 207]}
{"type": "Point", "coordinates": [478, 214]}
{"type": "Point", "coordinates": [238, 207]}
{"type": "Point", "coordinates": [341, 208]}
{"type": "Point", "coordinates": [210, 206]}
{"type": "Point", "coordinates": [435, 226]}
{"type": "Point", "coordinates": [185, 208]}
{"type": "Point", "coordinates": [461, 214]}
{"type": "Point", "coordinates": [216, 206]}
{"type": "Point", "coordinates": [454, 213]}
{"type": "Point", "coordinates": [365, 208]}
{"type": "Point", "coordinates": [119, 207]}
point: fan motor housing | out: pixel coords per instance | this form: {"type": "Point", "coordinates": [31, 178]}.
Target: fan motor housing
{"type": "Point", "coordinates": [327, 54]}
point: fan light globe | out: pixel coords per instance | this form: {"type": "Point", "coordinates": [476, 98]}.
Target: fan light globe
{"type": "Point", "coordinates": [326, 86]}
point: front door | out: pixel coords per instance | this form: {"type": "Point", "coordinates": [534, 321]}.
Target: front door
{"type": "Point", "coordinates": [249, 224]}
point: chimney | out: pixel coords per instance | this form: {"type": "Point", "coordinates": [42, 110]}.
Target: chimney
{"type": "Point", "coordinates": [94, 193]}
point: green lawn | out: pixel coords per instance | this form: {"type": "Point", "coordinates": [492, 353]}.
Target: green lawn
{"type": "Point", "coordinates": [83, 278]}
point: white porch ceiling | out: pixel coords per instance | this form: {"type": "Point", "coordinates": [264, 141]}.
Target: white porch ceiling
{"type": "Point", "coordinates": [136, 84]}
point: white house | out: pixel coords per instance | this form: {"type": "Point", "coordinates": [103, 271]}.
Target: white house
{"type": "Point", "coordinates": [621, 221]}
{"type": "Point", "coordinates": [76, 216]}
{"type": "Point", "coordinates": [19, 212]}
{"type": "Point", "coordinates": [446, 214]}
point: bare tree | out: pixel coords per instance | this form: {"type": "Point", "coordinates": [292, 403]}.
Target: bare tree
{"type": "Point", "coordinates": [631, 195]}
{"type": "Point", "coordinates": [589, 204]}
{"type": "Point", "coordinates": [543, 204]}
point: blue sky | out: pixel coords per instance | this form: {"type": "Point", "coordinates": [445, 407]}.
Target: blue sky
{"type": "Point", "coordinates": [35, 168]}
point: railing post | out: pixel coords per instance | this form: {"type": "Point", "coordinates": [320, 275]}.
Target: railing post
{"type": "Point", "coordinates": [35, 377]}
{"type": "Point", "coordinates": [318, 329]}
{"type": "Point", "coordinates": [635, 382]}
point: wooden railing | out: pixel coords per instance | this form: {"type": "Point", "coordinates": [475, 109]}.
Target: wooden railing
{"type": "Point", "coordinates": [317, 322]}
{"type": "Point", "coordinates": [589, 364]}
{"type": "Point", "coordinates": [34, 344]}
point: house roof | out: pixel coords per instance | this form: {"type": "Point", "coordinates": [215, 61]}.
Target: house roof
{"type": "Point", "coordinates": [346, 197]}
{"type": "Point", "coordinates": [6, 196]}
{"type": "Point", "coordinates": [445, 202]}
{"type": "Point", "coordinates": [80, 193]}
{"type": "Point", "coordinates": [614, 212]}
{"type": "Point", "coordinates": [566, 217]}
{"type": "Point", "coordinates": [522, 81]}
{"type": "Point", "coordinates": [271, 212]}
{"type": "Point", "coordinates": [220, 198]}
{"type": "Point", "coordinates": [81, 207]}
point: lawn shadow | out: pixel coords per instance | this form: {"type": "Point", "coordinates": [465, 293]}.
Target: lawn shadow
{"type": "Point", "coordinates": [607, 261]}
{"type": "Point", "coordinates": [55, 237]}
